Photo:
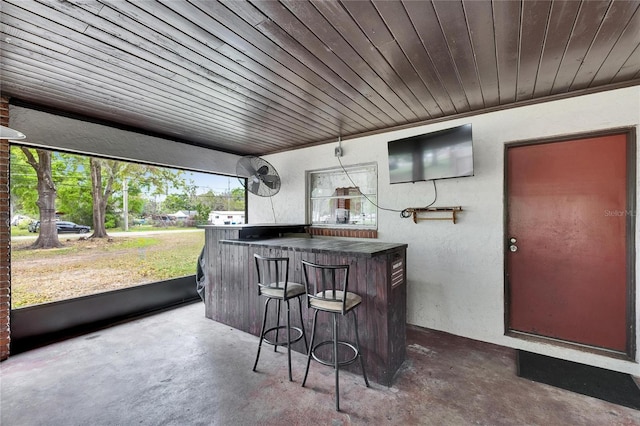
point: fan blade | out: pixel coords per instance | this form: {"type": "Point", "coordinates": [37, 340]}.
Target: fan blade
{"type": "Point", "coordinates": [272, 182]}
{"type": "Point", "coordinates": [258, 176]}
{"type": "Point", "coordinates": [270, 185]}
{"type": "Point", "coordinates": [255, 186]}
{"type": "Point", "coordinates": [245, 167]}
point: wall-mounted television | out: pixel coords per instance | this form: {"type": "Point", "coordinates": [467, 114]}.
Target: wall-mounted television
{"type": "Point", "coordinates": [438, 155]}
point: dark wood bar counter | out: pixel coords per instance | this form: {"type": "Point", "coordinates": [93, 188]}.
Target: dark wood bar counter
{"type": "Point", "coordinates": [377, 273]}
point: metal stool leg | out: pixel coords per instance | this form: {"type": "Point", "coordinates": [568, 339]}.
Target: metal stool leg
{"type": "Point", "coordinates": [335, 359]}
{"type": "Point", "coordinates": [313, 335]}
{"type": "Point", "coordinates": [264, 323]}
{"type": "Point", "coordinates": [304, 336]}
{"type": "Point", "coordinates": [289, 340]}
{"type": "Point", "coordinates": [275, 347]}
{"type": "Point", "coordinates": [364, 374]}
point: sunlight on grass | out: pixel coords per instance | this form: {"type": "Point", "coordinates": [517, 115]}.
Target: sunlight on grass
{"type": "Point", "coordinates": [91, 266]}
{"type": "Point", "coordinates": [20, 232]}
{"type": "Point", "coordinates": [20, 251]}
{"type": "Point", "coordinates": [21, 298]}
{"type": "Point", "coordinates": [139, 242]}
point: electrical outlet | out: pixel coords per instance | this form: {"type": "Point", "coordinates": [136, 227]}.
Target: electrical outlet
{"type": "Point", "coordinates": [338, 152]}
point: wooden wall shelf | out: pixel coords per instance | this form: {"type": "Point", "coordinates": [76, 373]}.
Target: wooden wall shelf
{"type": "Point", "coordinates": [415, 211]}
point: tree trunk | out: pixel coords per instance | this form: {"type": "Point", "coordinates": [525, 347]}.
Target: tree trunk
{"type": "Point", "coordinates": [48, 237]}
{"type": "Point", "coordinates": [99, 200]}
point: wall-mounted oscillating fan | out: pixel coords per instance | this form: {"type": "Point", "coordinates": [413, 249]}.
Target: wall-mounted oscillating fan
{"type": "Point", "coordinates": [262, 178]}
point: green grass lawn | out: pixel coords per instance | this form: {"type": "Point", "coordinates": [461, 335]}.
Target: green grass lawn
{"type": "Point", "coordinates": [87, 266]}
{"type": "Point", "coordinates": [19, 231]}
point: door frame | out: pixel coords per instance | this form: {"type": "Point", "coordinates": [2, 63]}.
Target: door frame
{"type": "Point", "coordinates": [630, 134]}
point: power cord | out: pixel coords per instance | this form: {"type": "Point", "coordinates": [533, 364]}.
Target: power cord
{"type": "Point", "coordinates": [406, 213]}
{"type": "Point", "coordinates": [403, 213]}
{"type": "Point", "coordinates": [272, 209]}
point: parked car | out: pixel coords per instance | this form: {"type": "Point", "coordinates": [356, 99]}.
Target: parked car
{"type": "Point", "coordinates": [62, 227]}
{"type": "Point", "coordinates": [34, 226]}
{"type": "Point", "coordinates": [72, 227]}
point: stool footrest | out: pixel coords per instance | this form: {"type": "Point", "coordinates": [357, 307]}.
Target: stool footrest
{"type": "Point", "coordinates": [332, 363]}
{"type": "Point", "coordinates": [283, 342]}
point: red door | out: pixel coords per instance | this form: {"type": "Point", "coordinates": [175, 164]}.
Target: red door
{"type": "Point", "coordinates": [567, 269]}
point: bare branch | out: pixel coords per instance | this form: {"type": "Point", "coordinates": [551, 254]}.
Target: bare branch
{"type": "Point", "coordinates": [30, 158]}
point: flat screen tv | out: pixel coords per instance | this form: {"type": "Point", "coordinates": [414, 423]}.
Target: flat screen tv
{"type": "Point", "coordinates": [438, 155]}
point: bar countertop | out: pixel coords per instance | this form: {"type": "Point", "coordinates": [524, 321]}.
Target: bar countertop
{"type": "Point", "coordinates": [322, 245]}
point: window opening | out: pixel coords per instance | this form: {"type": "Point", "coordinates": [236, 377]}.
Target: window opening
{"type": "Point", "coordinates": [344, 201]}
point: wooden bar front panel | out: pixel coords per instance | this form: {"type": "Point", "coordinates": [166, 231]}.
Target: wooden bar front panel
{"type": "Point", "coordinates": [233, 298]}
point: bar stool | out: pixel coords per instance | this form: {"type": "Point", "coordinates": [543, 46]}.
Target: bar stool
{"type": "Point", "coordinates": [273, 283]}
{"type": "Point", "coordinates": [326, 287]}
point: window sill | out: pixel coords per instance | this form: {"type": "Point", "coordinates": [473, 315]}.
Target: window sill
{"type": "Point", "coordinates": [342, 232]}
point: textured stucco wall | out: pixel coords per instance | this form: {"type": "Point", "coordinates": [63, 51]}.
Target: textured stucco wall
{"type": "Point", "coordinates": [455, 272]}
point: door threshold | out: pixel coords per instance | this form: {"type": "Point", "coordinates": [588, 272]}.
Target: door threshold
{"type": "Point", "coordinates": [610, 353]}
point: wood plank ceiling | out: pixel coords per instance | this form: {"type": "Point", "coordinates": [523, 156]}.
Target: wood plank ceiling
{"type": "Point", "coordinates": [265, 76]}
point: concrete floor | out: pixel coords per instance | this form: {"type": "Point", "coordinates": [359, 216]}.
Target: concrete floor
{"type": "Point", "coordinates": [179, 368]}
